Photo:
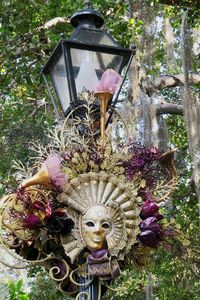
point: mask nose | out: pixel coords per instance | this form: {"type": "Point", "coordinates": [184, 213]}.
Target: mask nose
{"type": "Point", "coordinates": [98, 228]}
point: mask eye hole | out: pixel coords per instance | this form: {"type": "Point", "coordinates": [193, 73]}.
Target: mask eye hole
{"type": "Point", "coordinates": [89, 224]}
{"type": "Point", "coordinates": [105, 225]}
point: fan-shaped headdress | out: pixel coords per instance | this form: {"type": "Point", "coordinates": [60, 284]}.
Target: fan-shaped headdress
{"type": "Point", "coordinates": [91, 189]}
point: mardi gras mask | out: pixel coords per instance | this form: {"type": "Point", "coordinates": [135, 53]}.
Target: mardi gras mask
{"type": "Point", "coordinates": [95, 227]}
{"type": "Point", "coordinates": [106, 216]}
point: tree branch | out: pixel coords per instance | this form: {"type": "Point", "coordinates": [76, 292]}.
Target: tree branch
{"type": "Point", "coordinates": [169, 108]}
{"type": "Point", "coordinates": [168, 81]}
{"type": "Point", "coordinates": [54, 22]}
{"type": "Point", "coordinates": [187, 3]}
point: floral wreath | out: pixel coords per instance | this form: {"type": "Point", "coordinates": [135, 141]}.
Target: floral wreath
{"type": "Point", "coordinates": [41, 220]}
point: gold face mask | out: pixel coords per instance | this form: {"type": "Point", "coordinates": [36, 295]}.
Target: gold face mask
{"type": "Point", "coordinates": [95, 227]}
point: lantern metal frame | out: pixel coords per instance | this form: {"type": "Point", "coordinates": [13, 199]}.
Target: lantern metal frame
{"type": "Point", "coordinates": [90, 21]}
{"type": "Point", "coordinates": [64, 47]}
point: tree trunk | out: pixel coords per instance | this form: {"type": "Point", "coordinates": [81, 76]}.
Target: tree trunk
{"type": "Point", "coordinates": [191, 110]}
{"type": "Point", "coordinates": [169, 39]}
{"type": "Point", "coordinates": [149, 288]}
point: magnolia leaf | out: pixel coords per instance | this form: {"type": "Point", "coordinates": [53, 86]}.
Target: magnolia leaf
{"type": "Point", "coordinates": [139, 199]}
{"type": "Point", "coordinates": [81, 167]}
{"type": "Point", "coordinates": [185, 242]}
{"type": "Point", "coordinates": [172, 221]}
{"type": "Point", "coordinates": [121, 170]}
{"type": "Point", "coordinates": [108, 151]}
{"type": "Point", "coordinates": [122, 177]}
{"type": "Point", "coordinates": [142, 183]}
{"type": "Point", "coordinates": [18, 206]}
{"type": "Point", "coordinates": [76, 155]}
{"type": "Point", "coordinates": [70, 172]}
{"type": "Point", "coordinates": [84, 155]}
{"type": "Point", "coordinates": [178, 226]}
{"type": "Point", "coordinates": [75, 161]}
{"type": "Point", "coordinates": [103, 165]}
{"type": "Point", "coordinates": [95, 168]}
{"type": "Point", "coordinates": [116, 169]}
{"type": "Point", "coordinates": [91, 163]}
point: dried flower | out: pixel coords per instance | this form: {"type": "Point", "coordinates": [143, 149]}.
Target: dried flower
{"type": "Point", "coordinates": [59, 222]}
{"type": "Point", "coordinates": [168, 247]}
{"type": "Point", "coordinates": [67, 155]}
{"type": "Point", "coordinates": [32, 222]}
{"type": "Point", "coordinates": [24, 196]}
{"type": "Point", "coordinates": [145, 195]}
{"type": "Point", "coordinates": [170, 233]}
{"type": "Point", "coordinates": [44, 207]}
{"type": "Point", "coordinates": [140, 161]}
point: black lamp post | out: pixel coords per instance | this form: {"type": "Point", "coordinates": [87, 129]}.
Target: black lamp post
{"type": "Point", "coordinates": [77, 64]}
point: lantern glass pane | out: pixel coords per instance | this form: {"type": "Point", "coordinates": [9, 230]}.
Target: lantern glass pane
{"type": "Point", "coordinates": [96, 37]}
{"type": "Point", "coordinates": [60, 82]}
{"type": "Point", "coordinates": [89, 66]}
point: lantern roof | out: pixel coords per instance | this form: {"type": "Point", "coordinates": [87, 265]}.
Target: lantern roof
{"type": "Point", "coordinates": [87, 16]}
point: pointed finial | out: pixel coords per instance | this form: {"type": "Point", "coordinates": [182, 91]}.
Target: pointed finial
{"type": "Point", "coordinates": [87, 4]}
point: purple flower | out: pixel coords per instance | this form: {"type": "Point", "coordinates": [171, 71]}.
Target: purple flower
{"type": "Point", "coordinates": [67, 155]}
{"type": "Point", "coordinates": [148, 238]}
{"type": "Point", "coordinates": [32, 222]}
{"type": "Point", "coordinates": [52, 164]}
{"type": "Point", "coordinates": [141, 159]}
{"type": "Point", "coordinates": [158, 216]}
{"type": "Point", "coordinates": [149, 208]}
{"type": "Point", "coordinates": [151, 231]}
{"type": "Point", "coordinates": [145, 194]}
{"type": "Point", "coordinates": [147, 154]}
{"type": "Point", "coordinates": [59, 222]}
{"type": "Point", "coordinates": [150, 224]}
{"type": "Point", "coordinates": [24, 196]}
{"type": "Point", "coordinates": [168, 247]}
{"type": "Point", "coordinates": [45, 208]}
{"type": "Point", "coordinates": [170, 233]}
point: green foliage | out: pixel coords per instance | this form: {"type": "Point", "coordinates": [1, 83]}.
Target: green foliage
{"type": "Point", "coordinates": [178, 138]}
{"type": "Point", "coordinates": [16, 292]}
{"type": "Point", "coordinates": [179, 266]}
{"type": "Point", "coordinates": [25, 109]}
{"type": "Point", "coordinates": [131, 285]}
{"type": "Point", "coordinates": [44, 288]}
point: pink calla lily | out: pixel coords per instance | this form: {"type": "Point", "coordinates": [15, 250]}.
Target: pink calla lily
{"type": "Point", "coordinates": [53, 166]}
{"type": "Point", "coordinates": [109, 82]}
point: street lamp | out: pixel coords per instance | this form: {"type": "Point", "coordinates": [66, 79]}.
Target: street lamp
{"type": "Point", "coordinates": [77, 64]}
{"type": "Point", "coordinates": [81, 64]}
